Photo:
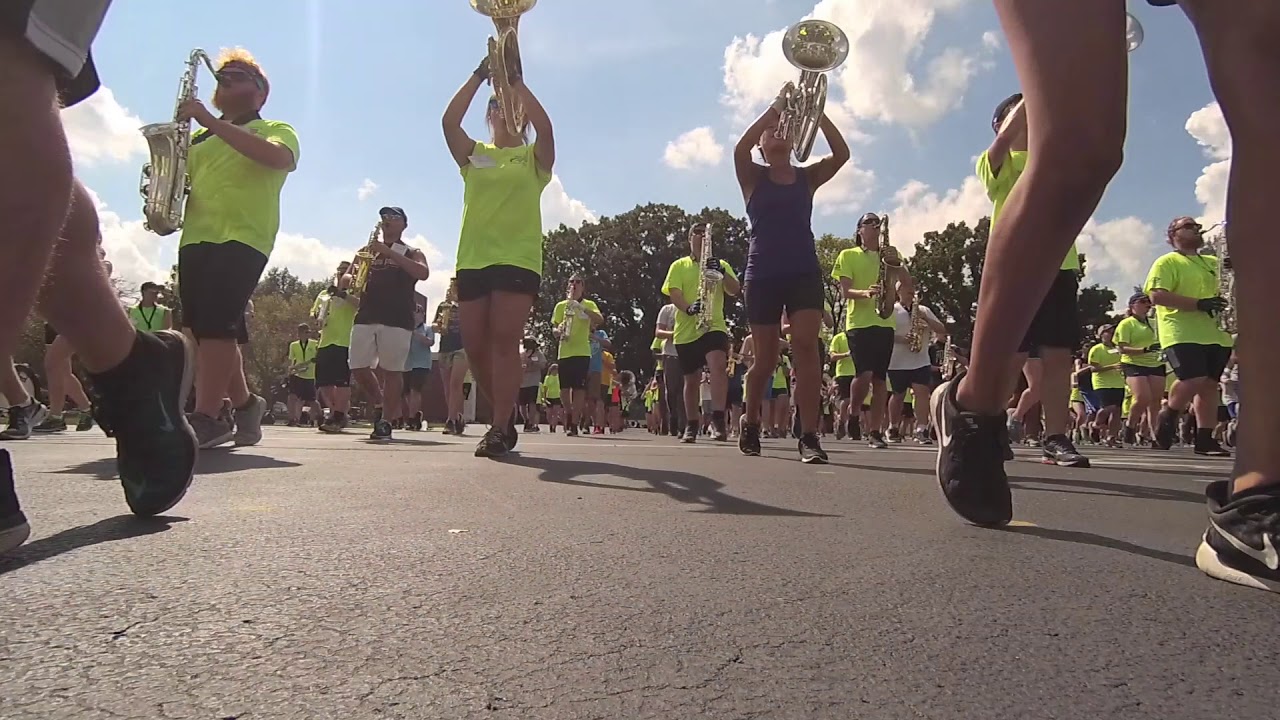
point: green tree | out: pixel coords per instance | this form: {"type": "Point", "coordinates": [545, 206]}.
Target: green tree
{"type": "Point", "coordinates": [947, 268]}
{"type": "Point", "coordinates": [829, 248]}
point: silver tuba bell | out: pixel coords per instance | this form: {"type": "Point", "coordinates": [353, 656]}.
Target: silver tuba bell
{"type": "Point", "coordinates": [165, 184]}
{"type": "Point", "coordinates": [814, 46]}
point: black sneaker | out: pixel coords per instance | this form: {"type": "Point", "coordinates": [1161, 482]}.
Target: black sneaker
{"type": "Point", "coordinates": [571, 431]}
{"type": "Point", "coordinates": [840, 430]}
{"type": "Point", "coordinates": [334, 424]}
{"type": "Point", "coordinates": [1240, 544]}
{"type": "Point", "coordinates": [970, 460]}
{"type": "Point", "coordinates": [1211, 448]}
{"type": "Point", "coordinates": [512, 436]}
{"type": "Point", "coordinates": [51, 424]}
{"type": "Point", "coordinates": [381, 430]}
{"type": "Point", "coordinates": [22, 419]}
{"type": "Point", "coordinates": [894, 435]}
{"type": "Point", "coordinates": [1059, 451]}
{"type": "Point", "coordinates": [690, 434]}
{"type": "Point", "coordinates": [923, 437]}
{"type": "Point", "coordinates": [1130, 436]}
{"type": "Point", "coordinates": [811, 452]}
{"type": "Point", "coordinates": [14, 529]}
{"type": "Point", "coordinates": [855, 429]}
{"type": "Point", "coordinates": [143, 399]}
{"type": "Point", "coordinates": [86, 422]}
{"type": "Point", "coordinates": [749, 440]}
{"type": "Point", "coordinates": [719, 428]}
{"type": "Point", "coordinates": [876, 440]}
{"type": "Point", "coordinates": [493, 444]}
{"type": "Point", "coordinates": [1166, 428]}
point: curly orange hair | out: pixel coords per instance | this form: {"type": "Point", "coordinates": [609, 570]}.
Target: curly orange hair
{"type": "Point", "coordinates": [241, 56]}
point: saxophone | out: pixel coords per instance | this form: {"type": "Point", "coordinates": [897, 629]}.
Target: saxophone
{"type": "Point", "coordinates": [890, 264]}
{"type": "Point", "coordinates": [571, 310]}
{"type": "Point", "coordinates": [708, 285]}
{"type": "Point", "coordinates": [165, 184]}
{"type": "Point", "coordinates": [364, 262]}
{"type": "Point", "coordinates": [919, 327]}
{"type": "Point", "coordinates": [1226, 280]}
{"type": "Point", "coordinates": [948, 359]}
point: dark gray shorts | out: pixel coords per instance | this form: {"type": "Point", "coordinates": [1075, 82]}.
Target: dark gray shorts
{"type": "Point", "coordinates": [63, 31]}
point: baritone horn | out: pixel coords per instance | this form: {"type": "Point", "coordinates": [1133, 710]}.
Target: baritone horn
{"type": "Point", "coordinates": [1133, 32]}
{"type": "Point", "coordinates": [164, 185]}
{"type": "Point", "coordinates": [504, 55]}
{"type": "Point", "coordinates": [815, 47]}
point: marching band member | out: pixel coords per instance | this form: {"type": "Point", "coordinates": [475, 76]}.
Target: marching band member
{"type": "Point", "coordinates": [335, 309]}
{"type": "Point", "coordinates": [149, 315]}
{"type": "Point", "coordinates": [383, 329]}
{"type": "Point", "coordinates": [415, 378]}
{"type": "Point", "coordinates": [453, 359]}
{"type": "Point", "coordinates": [302, 376]}
{"type": "Point", "coordinates": [532, 362]}
{"type": "Point", "coordinates": [1108, 382]}
{"type": "Point", "coordinates": [672, 391]}
{"type": "Point", "coordinates": [783, 273]}
{"type": "Point", "coordinates": [238, 165]}
{"type": "Point", "coordinates": [911, 370]}
{"type": "Point", "coordinates": [571, 322]}
{"type": "Point", "coordinates": [846, 422]}
{"type": "Point", "coordinates": [1183, 285]}
{"type": "Point", "coordinates": [500, 244]}
{"type": "Point", "coordinates": [1140, 360]}
{"type": "Point", "coordinates": [698, 346]}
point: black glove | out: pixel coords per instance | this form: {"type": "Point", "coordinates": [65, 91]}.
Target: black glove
{"type": "Point", "coordinates": [1212, 306]}
{"type": "Point", "coordinates": [482, 70]}
{"type": "Point", "coordinates": [1153, 347]}
{"type": "Point", "coordinates": [694, 309]}
{"type": "Point", "coordinates": [713, 263]}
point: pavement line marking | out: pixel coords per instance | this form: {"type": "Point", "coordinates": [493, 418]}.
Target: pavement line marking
{"type": "Point", "coordinates": [1022, 523]}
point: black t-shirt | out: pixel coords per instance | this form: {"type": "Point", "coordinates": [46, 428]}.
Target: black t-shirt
{"type": "Point", "coordinates": [388, 296]}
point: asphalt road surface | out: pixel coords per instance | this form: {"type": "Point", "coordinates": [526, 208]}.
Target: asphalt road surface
{"type": "Point", "coordinates": [627, 577]}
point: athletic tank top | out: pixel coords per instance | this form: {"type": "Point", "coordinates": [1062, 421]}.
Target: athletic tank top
{"type": "Point", "coordinates": [781, 228]}
{"type": "Point", "coordinates": [388, 296]}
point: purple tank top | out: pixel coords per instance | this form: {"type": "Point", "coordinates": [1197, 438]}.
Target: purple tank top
{"type": "Point", "coordinates": [781, 228]}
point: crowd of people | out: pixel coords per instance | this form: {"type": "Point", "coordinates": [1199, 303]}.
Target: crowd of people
{"type": "Point", "coordinates": [1045, 171]}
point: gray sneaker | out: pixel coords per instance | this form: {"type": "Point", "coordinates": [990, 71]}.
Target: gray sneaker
{"type": "Point", "coordinates": [210, 432]}
{"type": "Point", "coordinates": [248, 421]}
{"type": "Point", "coordinates": [23, 419]}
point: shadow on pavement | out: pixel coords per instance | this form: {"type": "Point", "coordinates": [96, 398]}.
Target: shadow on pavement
{"type": "Point", "coordinates": [121, 527]}
{"type": "Point", "coordinates": [210, 462]}
{"type": "Point", "coordinates": [1099, 487]}
{"type": "Point", "coordinates": [681, 486]}
{"type": "Point", "coordinates": [1084, 538]}
{"type": "Point", "coordinates": [885, 469]}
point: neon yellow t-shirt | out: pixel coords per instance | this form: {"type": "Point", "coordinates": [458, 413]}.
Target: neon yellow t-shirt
{"type": "Point", "coordinates": [502, 209]}
{"type": "Point", "coordinates": [999, 185]}
{"type": "Point", "coordinates": [1139, 334]}
{"type": "Point", "coordinates": [579, 343]}
{"type": "Point", "coordinates": [862, 267]}
{"type": "Point", "coordinates": [685, 276]}
{"type": "Point", "coordinates": [844, 366]}
{"type": "Point", "coordinates": [339, 321]}
{"type": "Point", "coordinates": [780, 375]}
{"type": "Point", "coordinates": [299, 353]}
{"type": "Point", "coordinates": [1194, 276]}
{"type": "Point", "coordinates": [148, 319]}
{"type": "Point", "coordinates": [234, 198]}
{"type": "Point", "coordinates": [551, 387]}
{"type": "Point", "coordinates": [606, 369]}
{"type": "Point", "coordinates": [1107, 379]}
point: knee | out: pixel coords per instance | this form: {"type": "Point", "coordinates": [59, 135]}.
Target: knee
{"type": "Point", "coordinates": [1082, 160]}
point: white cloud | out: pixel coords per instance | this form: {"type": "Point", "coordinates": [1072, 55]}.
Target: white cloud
{"type": "Point", "coordinates": [100, 130]}
{"type": "Point", "coordinates": [698, 147]}
{"type": "Point", "coordinates": [366, 189]}
{"type": "Point", "coordinates": [918, 209]}
{"type": "Point", "coordinates": [846, 192]}
{"type": "Point", "coordinates": [135, 253]}
{"type": "Point", "coordinates": [1209, 129]}
{"type": "Point", "coordinates": [886, 77]}
{"type": "Point", "coordinates": [558, 207]}
{"type": "Point", "coordinates": [1118, 253]}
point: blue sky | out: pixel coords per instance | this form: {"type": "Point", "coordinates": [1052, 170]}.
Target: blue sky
{"type": "Point", "coordinates": [365, 84]}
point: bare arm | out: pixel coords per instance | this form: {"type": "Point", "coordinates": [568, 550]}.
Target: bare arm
{"type": "Point", "coordinates": [1014, 127]}
{"type": "Point", "coordinates": [460, 143]}
{"type": "Point", "coordinates": [258, 149]}
{"type": "Point", "coordinates": [1173, 300]}
{"type": "Point", "coordinates": [731, 285]}
{"type": "Point", "coordinates": [846, 289]}
{"type": "Point", "coordinates": [544, 148]}
{"type": "Point", "coordinates": [826, 168]}
{"type": "Point", "coordinates": [743, 164]}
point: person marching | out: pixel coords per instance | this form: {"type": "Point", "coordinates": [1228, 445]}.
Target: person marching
{"type": "Point", "coordinates": [698, 288]}
{"type": "Point", "coordinates": [500, 243]}
{"type": "Point", "coordinates": [672, 391]}
{"type": "Point", "coordinates": [148, 315]}
{"type": "Point", "coordinates": [782, 272]}
{"type": "Point", "coordinates": [846, 421]}
{"type": "Point", "coordinates": [1183, 285]}
{"type": "Point", "coordinates": [1140, 360]}
{"type": "Point", "coordinates": [453, 360]}
{"type": "Point", "coordinates": [335, 310]}
{"type": "Point", "coordinates": [238, 165]}
{"type": "Point", "coordinates": [550, 397]}
{"type": "Point", "coordinates": [571, 323]}
{"type": "Point", "coordinates": [532, 362]}
{"type": "Point", "coordinates": [1105, 359]}
{"type": "Point", "coordinates": [910, 369]}
{"type": "Point", "coordinates": [415, 378]}
{"type": "Point", "coordinates": [383, 329]}
{"type": "Point", "coordinates": [302, 377]}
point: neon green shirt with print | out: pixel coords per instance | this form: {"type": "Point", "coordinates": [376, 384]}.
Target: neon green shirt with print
{"type": "Point", "coordinates": [685, 276]}
{"type": "Point", "coordinates": [862, 267]}
{"type": "Point", "coordinates": [339, 321]}
{"type": "Point", "coordinates": [1137, 333]}
{"type": "Point", "coordinates": [300, 354]}
{"type": "Point", "coordinates": [148, 319]}
{"type": "Point", "coordinates": [1194, 276]}
{"type": "Point", "coordinates": [844, 366]}
{"type": "Point", "coordinates": [579, 343]}
{"type": "Point", "coordinates": [780, 375]}
{"type": "Point", "coordinates": [234, 198]}
{"type": "Point", "coordinates": [999, 185]}
{"type": "Point", "coordinates": [551, 387]}
{"type": "Point", "coordinates": [502, 209]}
{"type": "Point", "coordinates": [1102, 356]}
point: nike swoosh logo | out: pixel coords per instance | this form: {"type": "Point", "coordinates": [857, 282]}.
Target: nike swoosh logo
{"type": "Point", "coordinates": [1267, 555]}
{"type": "Point", "coordinates": [167, 425]}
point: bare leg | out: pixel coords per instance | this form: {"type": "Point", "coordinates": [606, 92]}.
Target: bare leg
{"type": "Point", "coordinates": [507, 315]}
{"type": "Point", "coordinates": [217, 362]}
{"type": "Point", "coordinates": [804, 348]}
{"type": "Point", "coordinates": [1055, 389]}
{"type": "Point", "coordinates": [11, 385]}
{"type": "Point", "coordinates": [760, 376]}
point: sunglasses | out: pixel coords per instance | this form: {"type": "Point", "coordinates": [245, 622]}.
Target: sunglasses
{"type": "Point", "coordinates": [870, 223]}
{"type": "Point", "coordinates": [1191, 225]}
{"type": "Point", "coordinates": [575, 282]}
{"type": "Point", "coordinates": [391, 216]}
{"type": "Point", "coordinates": [226, 77]}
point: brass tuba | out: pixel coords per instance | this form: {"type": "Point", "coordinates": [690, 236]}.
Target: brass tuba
{"type": "Point", "coordinates": [814, 46]}
{"type": "Point", "coordinates": [504, 54]}
{"type": "Point", "coordinates": [165, 185]}
{"type": "Point", "coordinates": [364, 262]}
{"type": "Point", "coordinates": [890, 265]}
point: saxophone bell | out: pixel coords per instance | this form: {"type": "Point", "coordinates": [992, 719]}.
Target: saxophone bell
{"type": "Point", "coordinates": [164, 184]}
{"type": "Point", "coordinates": [364, 262]}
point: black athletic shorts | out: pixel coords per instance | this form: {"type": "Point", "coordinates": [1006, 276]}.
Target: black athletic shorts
{"type": "Point", "coordinates": [62, 32]}
{"type": "Point", "coordinates": [767, 297]}
{"type": "Point", "coordinates": [1057, 322]}
{"type": "Point", "coordinates": [1130, 370]}
{"type": "Point", "coordinates": [573, 372]}
{"type": "Point", "coordinates": [1190, 361]}
{"type": "Point", "coordinates": [1110, 397]}
{"type": "Point", "coordinates": [302, 388]}
{"type": "Point", "coordinates": [1224, 414]}
{"type": "Point", "coordinates": [872, 349]}
{"type": "Point", "coordinates": [477, 284]}
{"type": "Point", "coordinates": [332, 369]}
{"type": "Point", "coordinates": [606, 396]}
{"type": "Point", "coordinates": [215, 282]}
{"type": "Point", "coordinates": [554, 402]}
{"type": "Point", "coordinates": [693, 356]}
{"type": "Point", "coordinates": [845, 384]}
{"type": "Point", "coordinates": [900, 381]}
{"type": "Point", "coordinates": [415, 380]}
{"type": "Point", "coordinates": [528, 395]}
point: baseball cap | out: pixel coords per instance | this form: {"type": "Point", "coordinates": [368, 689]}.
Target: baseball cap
{"type": "Point", "coordinates": [1138, 296]}
{"type": "Point", "coordinates": [869, 217]}
{"type": "Point", "coordinates": [1003, 108]}
{"type": "Point", "coordinates": [394, 211]}
{"type": "Point", "coordinates": [148, 285]}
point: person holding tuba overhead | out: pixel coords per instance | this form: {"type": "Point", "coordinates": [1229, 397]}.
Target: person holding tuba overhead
{"type": "Point", "coordinates": [697, 285]}
{"type": "Point", "coordinates": [238, 165]}
{"type": "Point", "coordinates": [500, 243]}
{"type": "Point", "coordinates": [868, 275]}
{"type": "Point", "coordinates": [783, 273]}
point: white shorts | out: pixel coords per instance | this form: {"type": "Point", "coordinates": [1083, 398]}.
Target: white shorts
{"type": "Point", "coordinates": [380, 346]}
